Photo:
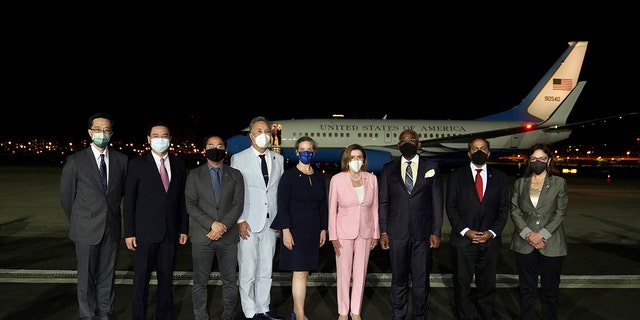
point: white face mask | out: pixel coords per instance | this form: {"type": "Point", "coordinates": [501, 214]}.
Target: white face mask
{"type": "Point", "coordinates": [355, 165]}
{"type": "Point", "coordinates": [263, 140]}
{"type": "Point", "coordinates": [160, 145]}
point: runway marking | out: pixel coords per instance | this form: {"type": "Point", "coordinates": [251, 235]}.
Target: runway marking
{"type": "Point", "coordinates": [319, 279]}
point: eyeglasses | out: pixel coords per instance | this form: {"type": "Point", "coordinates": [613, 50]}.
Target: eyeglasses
{"type": "Point", "coordinates": [541, 159]}
{"type": "Point", "coordinates": [408, 140]}
{"type": "Point", "coordinates": [211, 146]}
{"type": "Point", "coordinates": [105, 130]}
{"type": "Point", "coordinates": [483, 148]}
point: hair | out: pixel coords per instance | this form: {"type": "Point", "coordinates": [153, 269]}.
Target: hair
{"type": "Point", "coordinates": [99, 115]}
{"type": "Point", "coordinates": [470, 144]}
{"type": "Point", "coordinates": [551, 168]}
{"type": "Point", "coordinates": [409, 131]}
{"type": "Point", "coordinates": [204, 141]}
{"type": "Point", "coordinates": [346, 157]}
{"type": "Point", "coordinates": [258, 119]}
{"type": "Point", "coordinates": [305, 138]}
{"type": "Point", "coordinates": [158, 124]}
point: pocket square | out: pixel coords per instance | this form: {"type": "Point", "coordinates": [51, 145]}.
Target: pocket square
{"type": "Point", "coordinates": [430, 173]}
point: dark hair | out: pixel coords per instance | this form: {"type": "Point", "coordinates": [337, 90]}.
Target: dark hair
{"type": "Point", "coordinates": [346, 157]}
{"type": "Point", "coordinates": [305, 138]}
{"type": "Point", "coordinates": [470, 144]}
{"type": "Point", "coordinates": [204, 141]}
{"type": "Point", "coordinates": [551, 168]}
{"type": "Point", "coordinates": [99, 115]}
{"type": "Point", "coordinates": [158, 124]}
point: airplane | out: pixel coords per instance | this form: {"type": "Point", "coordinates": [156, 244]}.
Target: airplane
{"type": "Point", "coordinates": [541, 117]}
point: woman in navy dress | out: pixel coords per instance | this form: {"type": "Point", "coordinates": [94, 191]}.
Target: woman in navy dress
{"type": "Point", "coordinates": [302, 221]}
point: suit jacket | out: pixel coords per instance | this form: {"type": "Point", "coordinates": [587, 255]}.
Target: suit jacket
{"type": "Point", "coordinates": [204, 209]}
{"type": "Point", "coordinates": [547, 217]}
{"type": "Point", "coordinates": [150, 212]}
{"type": "Point", "coordinates": [258, 198]}
{"type": "Point", "coordinates": [83, 200]}
{"type": "Point", "coordinates": [465, 210]}
{"type": "Point", "coordinates": [418, 214]}
{"type": "Point", "coordinates": [349, 218]}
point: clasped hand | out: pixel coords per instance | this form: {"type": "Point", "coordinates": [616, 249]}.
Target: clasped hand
{"type": "Point", "coordinates": [478, 236]}
{"type": "Point", "coordinates": [217, 230]}
{"type": "Point", "coordinates": [536, 240]}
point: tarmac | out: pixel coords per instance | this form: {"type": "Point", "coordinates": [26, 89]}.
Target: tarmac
{"type": "Point", "coordinates": [601, 274]}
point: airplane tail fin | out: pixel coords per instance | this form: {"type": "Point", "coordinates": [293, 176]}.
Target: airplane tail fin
{"type": "Point", "coordinates": [543, 100]}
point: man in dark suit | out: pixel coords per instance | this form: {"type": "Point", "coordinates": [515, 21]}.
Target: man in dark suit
{"type": "Point", "coordinates": [213, 231]}
{"type": "Point", "coordinates": [155, 220]}
{"type": "Point", "coordinates": [410, 213]}
{"type": "Point", "coordinates": [95, 217]}
{"type": "Point", "coordinates": [478, 214]}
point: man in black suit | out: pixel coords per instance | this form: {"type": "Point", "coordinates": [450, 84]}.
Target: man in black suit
{"type": "Point", "coordinates": [155, 220]}
{"type": "Point", "coordinates": [94, 216]}
{"type": "Point", "coordinates": [410, 214]}
{"type": "Point", "coordinates": [477, 216]}
{"type": "Point", "coordinates": [215, 200]}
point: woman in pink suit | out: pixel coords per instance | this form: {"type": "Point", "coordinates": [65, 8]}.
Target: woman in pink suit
{"type": "Point", "coordinates": [353, 227]}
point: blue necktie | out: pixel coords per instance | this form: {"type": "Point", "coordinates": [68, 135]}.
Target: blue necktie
{"type": "Point", "coordinates": [408, 177]}
{"type": "Point", "coordinates": [265, 172]}
{"type": "Point", "coordinates": [103, 172]}
{"type": "Point", "coordinates": [215, 176]}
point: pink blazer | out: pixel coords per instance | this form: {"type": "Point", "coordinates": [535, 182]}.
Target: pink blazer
{"type": "Point", "coordinates": [347, 217]}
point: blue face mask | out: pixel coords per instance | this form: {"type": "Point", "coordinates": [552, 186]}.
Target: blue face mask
{"type": "Point", "coordinates": [160, 145]}
{"type": "Point", "coordinates": [305, 156]}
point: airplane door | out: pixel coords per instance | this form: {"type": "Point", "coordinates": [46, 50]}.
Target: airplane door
{"type": "Point", "coordinates": [515, 141]}
{"type": "Point", "coordinates": [388, 137]}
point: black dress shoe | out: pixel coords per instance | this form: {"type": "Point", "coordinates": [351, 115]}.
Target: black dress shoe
{"type": "Point", "coordinates": [274, 316]}
{"type": "Point", "coordinates": [270, 315]}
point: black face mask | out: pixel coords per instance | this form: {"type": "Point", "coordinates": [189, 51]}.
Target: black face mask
{"type": "Point", "coordinates": [538, 167]}
{"type": "Point", "coordinates": [215, 154]}
{"type": "Point", "coordinates": [408, 150]}
{"type": "Point", "coordinates": [478, 158]}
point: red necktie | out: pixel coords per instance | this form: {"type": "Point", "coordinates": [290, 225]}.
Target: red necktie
{"type": "Point", "coordinates": [479, 184]}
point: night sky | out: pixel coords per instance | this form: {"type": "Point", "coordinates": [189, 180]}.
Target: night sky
{"type": "Point", "coordinates": [207, 77]}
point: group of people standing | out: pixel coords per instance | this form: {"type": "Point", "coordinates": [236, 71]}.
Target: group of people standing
{"type": "Point", "coordinates": [236, 213]}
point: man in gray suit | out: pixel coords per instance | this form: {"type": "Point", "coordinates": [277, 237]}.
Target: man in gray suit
{"type": "Point", "coordinates": [215, 198]}
{"type": "Point", "coordinates": [257, 245]}
{"type": "Point", "coordinates": [92, 205]}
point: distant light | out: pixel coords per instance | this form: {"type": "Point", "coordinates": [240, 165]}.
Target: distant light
{"type": "Point", "coordinates": [336, 115]}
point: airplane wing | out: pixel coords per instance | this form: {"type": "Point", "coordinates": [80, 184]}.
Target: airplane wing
{"type": "Point", "coordinates": [589, 123]}
{"type": "Point", "coordinates": [525, 127]}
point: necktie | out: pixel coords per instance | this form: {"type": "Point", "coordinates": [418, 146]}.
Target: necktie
{"type": "Point", "coordinates": [479, 184]}
{"type": "Point", "coordinates": [408, 177]}
{"type": "Point", "coordinates": [164, 175]}
{"type": "Point", "coordinates": [103, 172]}
{"type": "Point", "coordinates": [265, 172]}
{"type": "Point", "coordinates": [215, 175]}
